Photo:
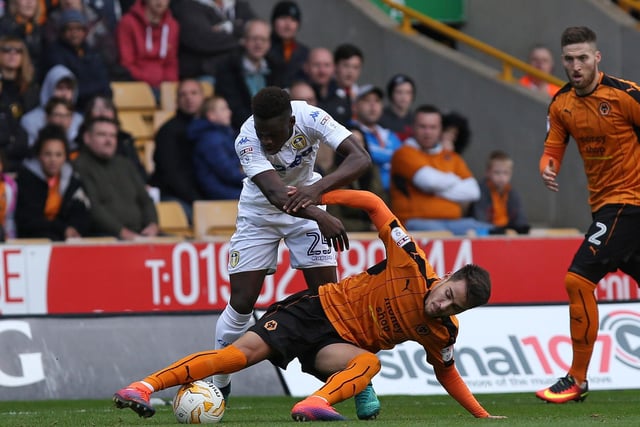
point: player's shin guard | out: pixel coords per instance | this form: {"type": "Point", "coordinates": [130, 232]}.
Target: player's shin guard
{"type": "Point", "coordinates": [350, 381]}
{"type": "Point", "coordinates": [198, 366]}
{"type": "Point", "coordinates": [583, 312]}
{"type": "Point", "coordinates": [229, 327]}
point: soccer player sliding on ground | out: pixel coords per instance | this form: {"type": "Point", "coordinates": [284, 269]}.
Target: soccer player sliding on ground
{"type": "Point", "coordinates": [332, 332]}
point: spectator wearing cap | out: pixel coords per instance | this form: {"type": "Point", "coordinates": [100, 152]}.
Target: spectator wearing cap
{"type": "Point", "coordinates": [23, 20]}
{"type": "Point", "coordinates": [99, 35]}
{"type": "Point", "coordinates": [148, 42]}
{"type": "Point", "coordinates": [72, 51]}
{"type": "Point", "coordinates": [287, 54]}
{"type": "Point", "coordinates": [380, 142]}
{"type": "Point", "coordinates": [398, 115]}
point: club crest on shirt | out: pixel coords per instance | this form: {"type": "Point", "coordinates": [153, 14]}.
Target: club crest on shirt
{"type": "Point", "coordinates": [604, 108]}
{"type": "Point", "coordinates": [299, 142]}
{"type": "Point", "coordinates": [234, 258]}
{"type": "Point", "coordinates": [271, 325]}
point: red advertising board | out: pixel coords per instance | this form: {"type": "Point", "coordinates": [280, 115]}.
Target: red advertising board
{"type": "Point", "coordinates": [188, 276]}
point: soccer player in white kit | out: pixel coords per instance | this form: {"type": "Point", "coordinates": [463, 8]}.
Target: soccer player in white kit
{"type": "Point", "coordinates": [277, 147]}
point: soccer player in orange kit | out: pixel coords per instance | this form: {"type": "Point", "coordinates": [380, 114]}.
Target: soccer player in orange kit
{"type": "Point", "coordinates": [336, 332]}
{"type": "Point", "coordinates": [602, 114]}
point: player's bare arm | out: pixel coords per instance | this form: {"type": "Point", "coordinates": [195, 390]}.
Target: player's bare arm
{"type": "Point", "coordinates": [276, 192]}
{"type": "Point", "coordinates": [356, 162]}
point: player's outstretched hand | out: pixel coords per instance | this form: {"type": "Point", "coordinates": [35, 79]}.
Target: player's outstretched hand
{"type": "Point", "coordinates": [333, 229]}
{"type": "Point", "coordinates": [300, 198]}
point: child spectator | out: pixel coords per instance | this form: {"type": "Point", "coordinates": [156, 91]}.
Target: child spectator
{"type": "Point", "coordinates": [398, 115]}
{"type": "Point", "coordinates": [217, 166]}
{"type": "Point", "coordinates": [148, 43]}
{"type": "Point", "coordinates": [8, 196]}
{"type": "Point", "coordinates": [59, 112]}
{"type": "Point", "coordinates": [500, 204]}
{"type": "Point", "coordinates": [51, 201]}
{"type": "Point", "coordinates": [59, 82]}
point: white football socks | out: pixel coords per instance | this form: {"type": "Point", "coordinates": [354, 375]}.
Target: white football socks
{"type": "Point", "coordinates": [230, 326]}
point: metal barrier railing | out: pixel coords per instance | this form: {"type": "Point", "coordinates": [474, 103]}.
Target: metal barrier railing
{"type": "Point", "coordinates": [508, 62]}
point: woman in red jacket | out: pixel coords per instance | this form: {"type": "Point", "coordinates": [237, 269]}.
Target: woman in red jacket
{"type": "Point", "coordinates": [148, 42]}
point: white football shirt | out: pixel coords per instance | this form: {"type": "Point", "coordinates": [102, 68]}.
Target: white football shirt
{"type": "Point", "coordinates": [295, 160]}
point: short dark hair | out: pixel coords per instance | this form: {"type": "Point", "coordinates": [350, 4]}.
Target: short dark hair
{"type": "Point", "coordinates": [478, 284]}
{"type": "Point", "coordinates": [89, 125]}
{"type": "Point", "coordinates": [573, 35]}
{"type": "Point", "coordinates": [426, 109]}
{"type": "Point", "coordinates": [347, 51]}
{"type": "Point", "coordinates": [55, 101]}
{"type": "Point", "coordinates": [108, 102]}
{"type": "Point", "coordinates": [271, 102]}
{"type": "Point", "coordinates": [47, 133]}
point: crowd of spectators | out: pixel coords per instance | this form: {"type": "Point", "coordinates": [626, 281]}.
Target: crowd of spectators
{"type": "Point", "coordinates": [78, 173]}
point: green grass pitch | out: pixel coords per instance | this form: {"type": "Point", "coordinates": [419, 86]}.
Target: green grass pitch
{"type": "Point", "coordinates": [612, 408]}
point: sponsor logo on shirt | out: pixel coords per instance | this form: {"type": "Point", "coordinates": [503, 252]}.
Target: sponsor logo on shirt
{"type": "Point", "coordinates": [399, 236]}
{"type": "Point", "coordinates": [314, 114]}
{"type": "Point", "coordinates": [325, 119]}
{"type": "Point", "coordinates": [296, 162]}
{"type": "Point", "coordinates": [244, 140]}
{"type": "Point", "coordinates": [246, 151]}
{"type": "Point", "coordinates": [447, 353]}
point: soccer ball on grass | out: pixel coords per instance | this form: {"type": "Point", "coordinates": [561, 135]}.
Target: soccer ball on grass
{"type": "Point", "coordinates": [199, 402]}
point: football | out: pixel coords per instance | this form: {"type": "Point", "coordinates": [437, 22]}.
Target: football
{"type": "Point", "coordinates": [199, 402]}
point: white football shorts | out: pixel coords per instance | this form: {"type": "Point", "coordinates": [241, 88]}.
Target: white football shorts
{"type": "Point", "coordinates": [254, 245]}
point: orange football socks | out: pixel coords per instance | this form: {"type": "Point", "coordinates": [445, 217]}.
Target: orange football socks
{"type": "Point", "coordinates": [197, 366]}
{"type": "Point", "coordinates": [583, 313]}
{"type": "Point", "coordinates": [350, 381]}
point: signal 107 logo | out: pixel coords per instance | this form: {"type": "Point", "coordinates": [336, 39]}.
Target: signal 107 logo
{"type": "Point", "coordinates": [527, 352]}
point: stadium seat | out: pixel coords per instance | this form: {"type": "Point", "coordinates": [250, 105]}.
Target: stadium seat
{"type": "Point", "coordinates": [133, 96]}
{"type": "Point", "coordinates": [172, 219]}
{"type": "Point", "coordinates": [134, 122]}
{"type": "Point", "coordinates": [168, 94]}
{"type": "Point", "coordinates": [214, 218]}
